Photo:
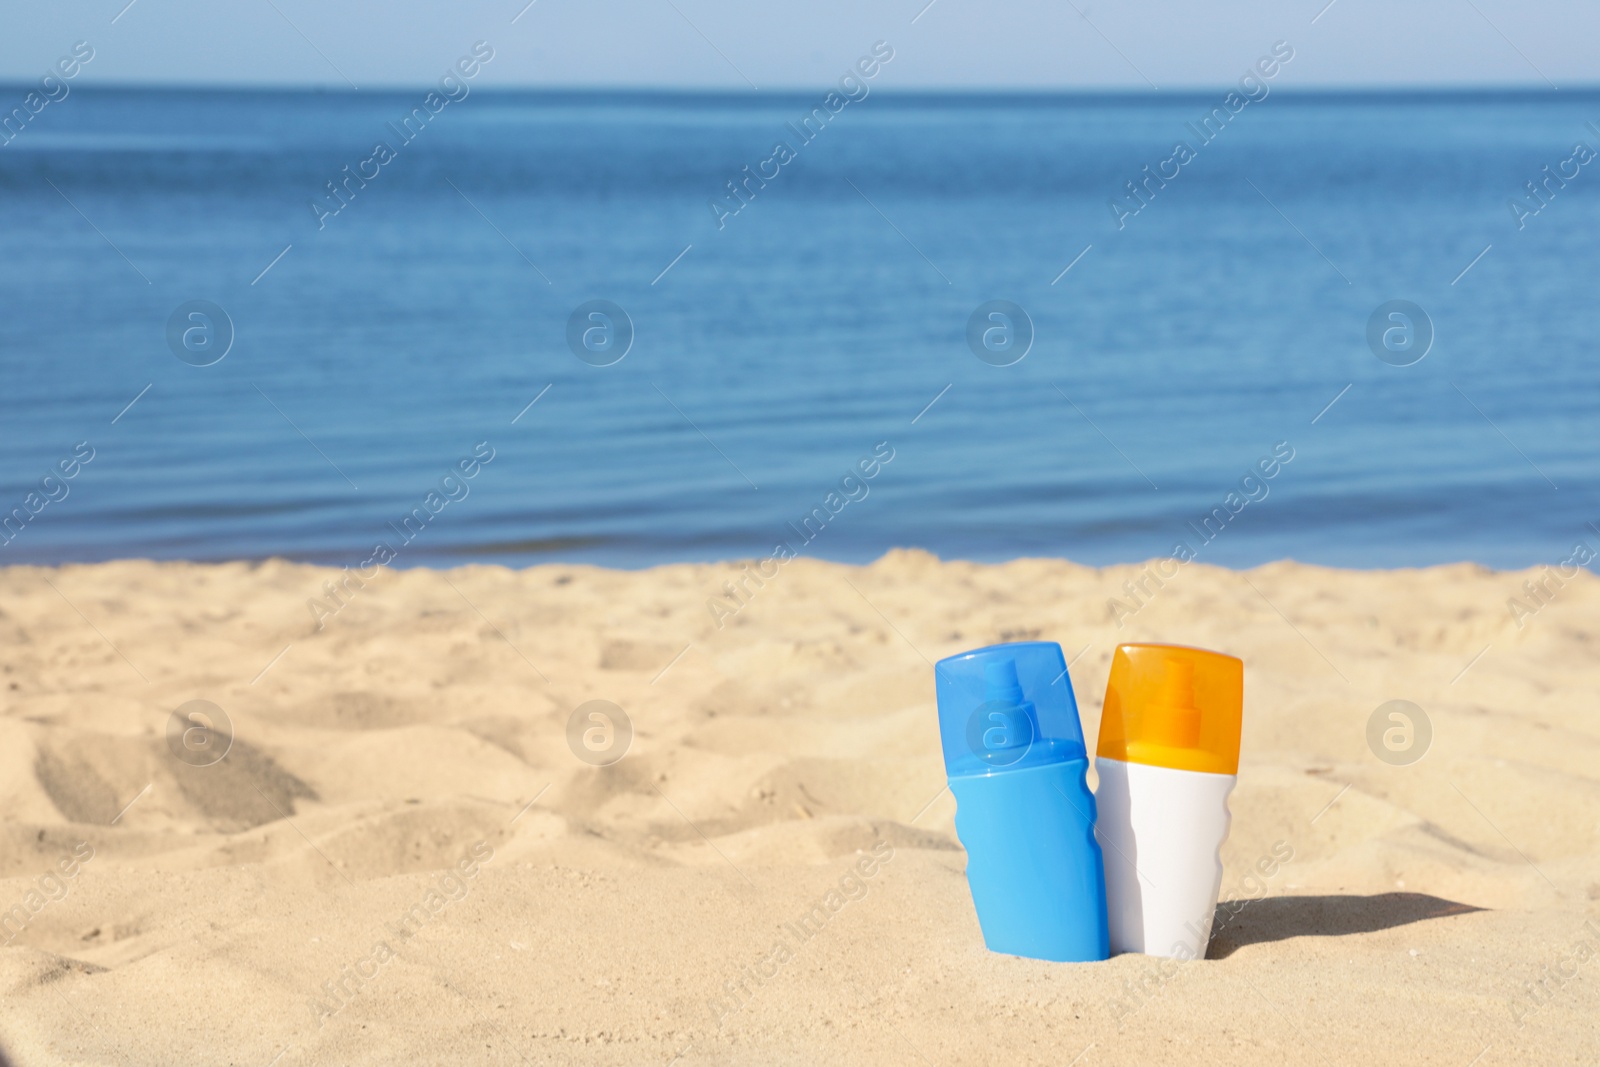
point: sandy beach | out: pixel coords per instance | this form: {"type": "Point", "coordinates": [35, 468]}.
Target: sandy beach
{"type": "Point", "coordinates": [402, 858]}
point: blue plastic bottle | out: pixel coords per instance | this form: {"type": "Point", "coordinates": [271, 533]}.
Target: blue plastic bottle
{"type": "Point", "coordinates": [1013, 750]}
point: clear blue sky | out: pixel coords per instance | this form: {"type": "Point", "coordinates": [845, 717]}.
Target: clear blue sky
{"type": "Point", "coordinates": [733, 44]}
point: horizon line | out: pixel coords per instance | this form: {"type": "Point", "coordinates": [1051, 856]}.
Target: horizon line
{"type": "Point", "coordinates": [1528, 88]}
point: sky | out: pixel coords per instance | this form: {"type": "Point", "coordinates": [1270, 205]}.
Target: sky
{"type": "Point", "coordinates": [753, 45]}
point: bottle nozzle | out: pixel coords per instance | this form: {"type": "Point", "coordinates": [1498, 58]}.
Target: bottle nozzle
{"type": "Point", "coordinates": [1011, 723]}
{"type": "Point", "coordinates": [1173, 717]}
{"type": "Point", "coordinates": [1000, 682]}
{"type": "Point", "coordinates": [1177, 684]}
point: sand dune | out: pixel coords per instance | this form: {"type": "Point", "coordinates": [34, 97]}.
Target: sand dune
{"type": "Point", "coordinates": [401, 856]}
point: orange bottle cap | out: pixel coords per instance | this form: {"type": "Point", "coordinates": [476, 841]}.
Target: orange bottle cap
{"type": "Point", "coordinates": [1173, 706]}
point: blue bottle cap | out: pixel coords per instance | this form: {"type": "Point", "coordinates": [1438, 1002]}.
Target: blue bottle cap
{"type": "Point", "coordinates": [1005, 708]}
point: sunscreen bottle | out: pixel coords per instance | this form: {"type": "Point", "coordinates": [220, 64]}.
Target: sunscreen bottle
{"type": "Point", "coordinates": [1167, 760]}
{"type": "Point", "coordinates": [1014, 753]}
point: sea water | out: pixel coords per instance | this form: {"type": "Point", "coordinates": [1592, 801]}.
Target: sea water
{"type": "Point", "coordinates": [375, 347]}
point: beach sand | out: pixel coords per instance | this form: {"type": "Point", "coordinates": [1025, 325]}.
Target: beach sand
{"type": "Point", "coordinates": [402, 859]}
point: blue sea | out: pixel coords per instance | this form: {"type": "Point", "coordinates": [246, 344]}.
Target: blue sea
{"type": "Point", "coordinates": [1175, 342]}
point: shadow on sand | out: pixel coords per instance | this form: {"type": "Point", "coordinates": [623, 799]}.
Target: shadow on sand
{"type": "Point", "coordinates": [1253, 922]}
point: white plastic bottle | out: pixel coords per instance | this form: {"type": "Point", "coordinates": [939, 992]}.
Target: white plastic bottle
{"type": "Point", "coordinates": [1167, 759]}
